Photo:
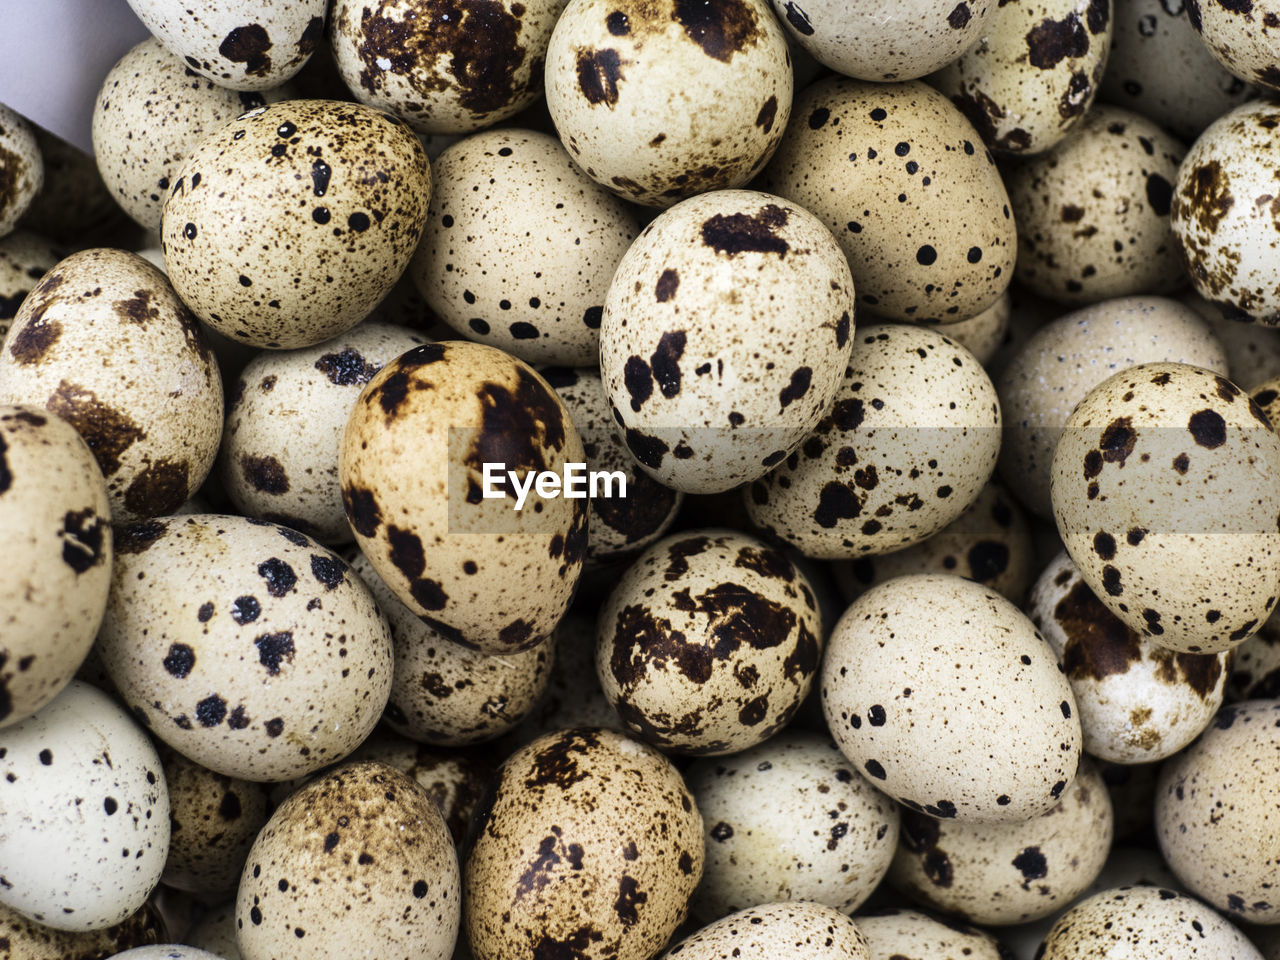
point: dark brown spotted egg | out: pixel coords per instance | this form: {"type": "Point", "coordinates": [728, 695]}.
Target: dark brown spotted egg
{"type": "Point", "coordinates": [662, 100]}
{"type": "Point", "coordinates": [29, 940]}
{"type": "Point", "coordinates": [1139, 702]}
{"type": "Point", "coordinates": [360, 856]}
{"type": "Point", "coordinates": [24, 259]}
{"type": "Point", "coordinates": [287, 226]}
{"type": "Point", "coordinates": [447, 69]}
{"type": "Point", "coordinates": [708, 643]}
{"type": "Point", "coordinates": [943, 693]}
{"type": "Point", "coordinates": [82, 772]}
{"type": "Point", "coordinates": [21, 168]}
{"type": "Point", "coordinates": [906, 448]}
{"type": "Point", "coordinates": [589, 843]}
{"type": "Point", "coordinates": [515, 197]}
{"type": "Point", "coordinates": [815, 930]}
{"type": "Point", "coordinates": [902, 180]}
{"type": "Point", "coordinates": [726, 329]}
{"type": "Point", "coordinates": [1093, 213]}
{"type": "Point", "coordinates": [104, 342]}
{"type": "Point", "coordinates": [1243, 36]}
{"type": "Point", "coordinates": [244, 645]}
{"type": "Point", "coordinates": [412, 467]}
{"type": "Point", "coordinates": [1162, 472]}
{"type": "Point", "coordinates": [237, 44]}
{"type": "Point", "coordinates": [907, 933]}
{"type": "Point", "coordinates": [280, 448]}
{"type": "Point", "coordinates": [56, 527]}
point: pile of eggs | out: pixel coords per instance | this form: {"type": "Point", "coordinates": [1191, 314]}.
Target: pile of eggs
{"type": "Point", "coordinates": [935, 344]}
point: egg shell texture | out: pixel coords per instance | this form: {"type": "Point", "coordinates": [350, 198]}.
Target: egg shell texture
{"type": "Point", "coordinates": [29, 940]}
{"type": "Point", "coordinates": [894, 932]}
{"type": "Point", "coordinates": [21, 168]}
{"type": "Point", "coordinates": [1243, 36]}
{"type": "Point", "coordinates": [25, 257]}
{"type": "Point", "coordinates": [983, 334]}
{"type": "Point", "coordinates": [814, 930]}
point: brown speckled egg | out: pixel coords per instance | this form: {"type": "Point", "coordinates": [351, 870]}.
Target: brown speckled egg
{"type": "Point", "coordinates": [944, 694]}
{"type": "Point", "coordinates": [1093, 213]}
{"type": "Point", "coordinates": [56, 527]}
{"type": "Point", "coordinates": [1255, 671]}
{"type": "Point", "coordinates": [662, 100]}
{"type": "Point", "coordinates": [906, 448]}
{"type": "Point", "coordinates": [726, 329]}
{"type": "Point", "coordinates": [984, 333]}
{"type": "Point", "coordinates": [360, 856]}
{"type": "Point", "coordinates": [902, 180]}
{"type": "Point", "coordinates": [412, 471]}
{"type": "Point", "coordinates": [513, 197]}
{"type": "Point", "coordinates": [815, 930]}
{"type": "Point", "coordinates": [103, 342]}
{"type": "Point", "coordinates": [906, 933]}
{"type": "Point", "coordinates": [237, 44]}
{"type": "Point", "coordinates": [1216, 813]}
{"type": "Point", "coordinates": [443, 69]}
{"type": "Point", "coordinates": [1068, 357]}
{"type": "Point", "coordinates": [244, 645]}
{"type": "Point", "coordinates": [709, 643]}
{"type": "Point", "coordinates": [24, 259]}
{"type": "Point", "coordinates": [1144, 923]}
{"type": "Point", "coordinates": [790, 820]}
{"type": "Point", "coordinates": [21, 168]}
{"type": "Point", "coordinates": [1165, 471]}
{"type": "Point", "coordinates": [1243, 36]}
{"type": "Point", "coordinates": [1139, 702]}
{"type": "Point", "coordinates": [448, 695]}
{"type": "Point", "coordinates": [574, 696]}
{"type": "Point", "coordinates": [29, 940]}
{"type": "Point", "coordinates": [284, 427]}
{"type": "Point", "coordinates": [589, 843]}
{"type": "Point", "coordinates": [287, 226]}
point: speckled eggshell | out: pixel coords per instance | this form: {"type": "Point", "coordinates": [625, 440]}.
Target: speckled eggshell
{"type": "Point", "coordinates": [1093, 213]}
{"type": "Point", "coordinates": [574, 696]}
{"type": "Point", "coordinates": [21, 168]}
{"type": "Point", "coordinates": [56, 527]}
{"type": "Point", "coordinates": [443, 69]}
{"type": "Point", "coordinates": [1006, 873]}
{"type": "Point", "coordinates": [708, 643]}
{"type": "Point", "coordinates": [287, 226]}
{"type": "Point", "coordinates": [24, 259]}
{"type": "Point", "coordinates": [901, 179]}
{"type": "Point", "coordinates": [29, 940]}
{"type": "Point", "coordinates": [361, 856]}
{"type": "Point", "coordinates": [448, 695]}
{"type": "Point", "coordinates": [103, 342]}
{"type": "Point", "coordinates": [1255, 671]}
{"type": "Point", "coordinates": [1216, 812]}
{"type": "Point", "coordinates": [238, 45]}
{"type": "Point", "coordinates": [1066, 358]}
{"type": "Point", "coordinates": [1144, 923]}
{"type": "Point", "coordinates": [514, 198]}
{"type": "Point", "coordinates": [894, 933]}
{"type": "Point", "coordinates": [619, 526]}
{"type": "Point", "coordinates": [1160, 68]}
{"type": "Point", "coordinates": [906, 448]}
{"type": "Point", "coordinates": [280, 448]}
{"type": "Point", "coordinates": [589, 843]}
{"type": "Point", "coordinates": [168, 951]}
{"type": "Point", "coordinates": [1253, 349]}
{"type": "Point", "coordinates": [726, 329]}
{"type": "Point", "coordinates": [1139, 702]}
{"type": "Point", "coordinates": [661, 100]}
{"type": "Point", "coordinates": [790, 820]}
{"type": "Point", "coordinates": [810, 930]}
{"type": "Point", "coordinates": [1165, 471]}
{"type": "Point", "coordinates": [919, 37]}
{"type": "Point", "coordinates": [1033, 74]}
{"type": "Point", "coordinates": [1229, 242]}
{"type": "Point", "coordinates": [82, 772]}
{"type": "Point", "coordinates": [411, 468]}
{"type": "Point", "coordinates": [244, 645]}
{"type": "Point", "coordinates": [1243, 37]}
{"type": "Point", "coordinates": [944, 694]}
{"type": "Point", "coordinates": [984, 334]}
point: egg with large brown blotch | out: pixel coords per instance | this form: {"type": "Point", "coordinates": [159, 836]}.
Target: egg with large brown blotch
{"type": "Point", "coordinates": [1242, 35]}
{"type": "Point", "coordinates": [24, 259]}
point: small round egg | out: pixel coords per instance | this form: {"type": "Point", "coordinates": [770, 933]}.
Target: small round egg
{"type": "Point", "coordinates": [287, 226]}
{"type": "Point", "coordinates": [82, 772]}
{"type": "Point", "coordinates": [514, 197]}
{"type": "Point", "coordinates": [906, 933]}
{"type": "Point", "coordinates": [21, 168]}
{"type": "Point", "coordinates": [708, 643]}
{"type": "Point", "coordinates": [1255, 671]}
{"type": "Point", "coordinates": [1243, 36]}
{"type": "Point", "coordinates": [942, 692]}
{"type": "Point", "coordinates": [983, 334]}
{"type": "Point", "coordinates": [24, 258]}
{"type": "Point", "coordinates": [104, 342]}
{"type": "Point", "coordinates": [589, 841]}
{"type": "Point", "coordinates": [574, 697]}
{"type": "Point", "coordinates": [29, 940]}
{"type": "Point", "coordinates": [1253, 349]}
{"type": "Point", "coordinates": [1164, 471]}
{"type": "Point", "coordinates": [774, 930]}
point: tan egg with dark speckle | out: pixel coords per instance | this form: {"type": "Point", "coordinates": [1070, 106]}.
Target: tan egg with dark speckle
{"type": "Point", "coordinates": [1242, 36]}
{"type": "Point", "coordinates": [29, 940]}
{"type": "Point", "coordinates": [905, 933]}
{"type": "Point", "coordinates": [21, 168]}
{"type": "Point", "coordinates": [984, 334]}
{"type": "Point", "coordinates": [774, 930]}
{"type": "Point", "coordinates": [24, 259]}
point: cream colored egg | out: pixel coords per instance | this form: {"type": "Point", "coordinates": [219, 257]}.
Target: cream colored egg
{"type": "Point", "coordinates": [661, 100]}
{"type": "Point", "coordinates": [29, 940]}
{"type": "Point", "coordinates": [984, 334]}
{"type": "Point", "coordinates": [901, 179]}
{"type": "Point", "coordinates": [21, 168]}
{"type": "Point", "coordinates": [893, 932]}
{"type": "Point", "coordinates": [1165, 471]}
{"type": "Point", "coordinates": [244, 645]}
{"type": "Point", "coordinates": [943, 693]}
{"type": "Point", "coordinates": [513, 197]}
{"type": "Point", "coordinates": [1252, 348]}
{"type": "Point", "coordinates": [574, 697]}
{"type": "Point", "coordinates": [906, 448]}
{"type": "Point", "coordinates": [289, 225]}
{"type": "Point", "coordinates": [478, 570]}
{"type": "Point", "coordinates": [24, 259]}
{"type": "Point", "coordinates": [1243, 37]}
{"type": "Point", "coordinates": [104, 342]}
{"type": "Point", "coordinates": [774, 930]}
